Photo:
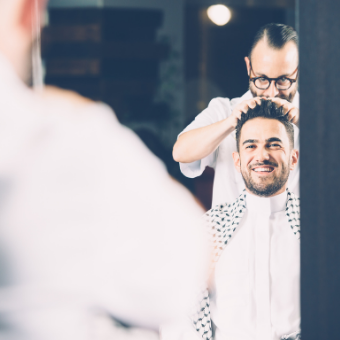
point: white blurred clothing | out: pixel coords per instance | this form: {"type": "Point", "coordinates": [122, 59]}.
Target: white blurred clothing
{"type": "Point", "coordinates": [90, 219]}
{"type": "Point", "coordinates": [228, 182]}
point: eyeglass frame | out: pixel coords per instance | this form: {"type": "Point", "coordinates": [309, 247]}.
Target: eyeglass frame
{"type": "Point", "coordinates": [292, 81]}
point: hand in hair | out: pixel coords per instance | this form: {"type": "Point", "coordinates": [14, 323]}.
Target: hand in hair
{"type": "Point", "coordinates": [288, 109]}
{"type": "Point", "coordinates": [243, 107]}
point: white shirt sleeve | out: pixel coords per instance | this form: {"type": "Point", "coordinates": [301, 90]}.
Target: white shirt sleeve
{"type": "Point", "coordinates": [217, 110]}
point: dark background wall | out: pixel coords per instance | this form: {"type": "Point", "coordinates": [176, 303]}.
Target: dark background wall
{"type": "Point", "coordinates": [319, 28]}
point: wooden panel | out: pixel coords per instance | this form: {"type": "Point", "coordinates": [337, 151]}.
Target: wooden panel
{"type": "Point", "coordinates": [79, 33]}
{"type": "Point", "coordinates": [117, 24]}
{"type": "Point", "coordinates": [118, 50]}
{"type": "Point", "coordinates": [103, 88]}
{"type": "Point", "coordinates": [108, 16]}
{"type": "Point", "coordinates": [109, 55]}
{"type": "Point", "coordinates": [75, 67]}
{"type": "Point", "coordinates": [75, 16]}
{"type": "Point", "coordinates": [120, 69]}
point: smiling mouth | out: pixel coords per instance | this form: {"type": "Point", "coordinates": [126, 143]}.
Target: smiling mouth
{"type": "Point", "coordinates": [264, 169]}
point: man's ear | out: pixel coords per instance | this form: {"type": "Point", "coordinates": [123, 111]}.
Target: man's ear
{"type": "Point", "coordinates": [237, 162]}
{"type": "Point", "coordinates": [31, 14]}
{"type": "Point", "coordinates": [246, 59]}
{"type": "Point", "coordinates": [294, 157]}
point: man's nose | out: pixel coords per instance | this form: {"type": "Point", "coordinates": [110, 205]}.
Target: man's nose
{"type": "Point", "coordinates": [271, 91]}
{"type": "Point", "coordinates": [262, 154]}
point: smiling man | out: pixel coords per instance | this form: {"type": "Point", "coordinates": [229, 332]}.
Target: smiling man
{"type": "Point", "coordinates": [269, 155]}
{"type": "Point", "coordinates": [272, 67]}
{"type": "Point", "coordinates": [254, 293]}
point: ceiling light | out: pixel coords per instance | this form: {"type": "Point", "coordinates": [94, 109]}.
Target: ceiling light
{"type": "Point", "coordinates": [219, 14]}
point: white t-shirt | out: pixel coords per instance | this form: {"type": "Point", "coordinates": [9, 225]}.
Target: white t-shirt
{"type": "Point", "coordinates": [257, 278]}
{"type": "Point", "coordinates": [90, 220]}
{"type": "Point", "coordinates": [228, 182]}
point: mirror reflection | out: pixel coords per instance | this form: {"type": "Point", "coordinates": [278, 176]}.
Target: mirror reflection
{"type": "Point", "coordinates": [125, 122]}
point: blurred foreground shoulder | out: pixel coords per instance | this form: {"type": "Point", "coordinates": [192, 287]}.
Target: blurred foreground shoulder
{"type": "Point", "coordinates": [55, 93]}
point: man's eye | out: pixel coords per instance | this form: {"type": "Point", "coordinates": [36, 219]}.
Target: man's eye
{"type": "Point", "coordinates": [250, 147]}
{"type": "Point", "coordinates": [263, 80]}
{"type": "Point", "coordinates": [283, 81]}
{"type": "Point", "coordinates": [274, 145]}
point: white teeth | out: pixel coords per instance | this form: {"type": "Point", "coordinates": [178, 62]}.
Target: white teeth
{"type": "Point", "coordinates": [263, 169]}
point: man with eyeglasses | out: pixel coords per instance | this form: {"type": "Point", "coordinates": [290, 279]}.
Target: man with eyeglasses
{"type": "Point", "coordinates": [209, 140]}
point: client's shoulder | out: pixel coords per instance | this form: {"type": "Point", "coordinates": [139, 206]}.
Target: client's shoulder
{"type": "Point", "coordinates": [227, 212]}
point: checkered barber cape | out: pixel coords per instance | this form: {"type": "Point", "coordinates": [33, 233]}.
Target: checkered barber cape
{"type": "Point", "coordinates": [221, 222]}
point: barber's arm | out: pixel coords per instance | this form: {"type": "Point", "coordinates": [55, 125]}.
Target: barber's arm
{"type": "Point", "coordinates": [196, 144]}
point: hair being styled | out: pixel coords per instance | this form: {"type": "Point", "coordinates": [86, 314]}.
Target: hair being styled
{"type": "Point", "coordinates": [277, 36]}
{"type": "Point", "coordinates": [268, 110]}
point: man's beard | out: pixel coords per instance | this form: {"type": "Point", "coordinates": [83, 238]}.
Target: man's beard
{"type": "Point", "coordinates": [289, 97]}
{"type": "Point", "coordinates": [262, 189]}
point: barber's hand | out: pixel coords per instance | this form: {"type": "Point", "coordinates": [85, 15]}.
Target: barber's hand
{"type": "Point", "coordinates": [288, 109]}
{"type": "Point", "coordinates": [243, 107]}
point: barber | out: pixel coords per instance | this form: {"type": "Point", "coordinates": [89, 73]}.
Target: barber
{"type": "Point", "coordinates": [272, 67]}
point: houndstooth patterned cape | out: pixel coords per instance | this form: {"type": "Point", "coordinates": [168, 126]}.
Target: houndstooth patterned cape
{"type": "Point", "coordinates": [222, 221]}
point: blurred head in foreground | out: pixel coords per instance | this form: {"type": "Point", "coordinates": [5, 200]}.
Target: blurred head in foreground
{"type": "Point", "coordinates": [18, 19]}
{"type": "Point", "coordinates": [266, 154]}
{"type": "Point", "coordinates": [90, 220]}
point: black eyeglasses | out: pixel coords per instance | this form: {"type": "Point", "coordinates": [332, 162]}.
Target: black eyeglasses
{"type": "Point", "coordinates": [281, 83]}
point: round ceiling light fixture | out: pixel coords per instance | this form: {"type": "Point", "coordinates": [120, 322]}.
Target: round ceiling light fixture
{"type": "Point", "coordinates": [219, 14]}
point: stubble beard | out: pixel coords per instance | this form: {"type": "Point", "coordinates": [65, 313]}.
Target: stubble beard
{"type": "Point", "coordinates": [263, 189]}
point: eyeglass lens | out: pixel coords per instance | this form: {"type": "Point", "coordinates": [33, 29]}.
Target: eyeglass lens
{"type": "Point", "coordinates": [281, 83]}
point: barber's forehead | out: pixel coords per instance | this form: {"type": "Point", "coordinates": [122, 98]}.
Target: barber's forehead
{"type": "Point", "coordinates": [265, 59]}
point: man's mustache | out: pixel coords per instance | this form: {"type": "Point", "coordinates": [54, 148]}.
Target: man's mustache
{"type": "Point", "coordinates": [252, 166]}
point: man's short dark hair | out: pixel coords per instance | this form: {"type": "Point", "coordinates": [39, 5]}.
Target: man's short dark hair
{"type": "Point", "coordinates": [277, 36]}
{"type": "Point", "coordinates": [269, 110]}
